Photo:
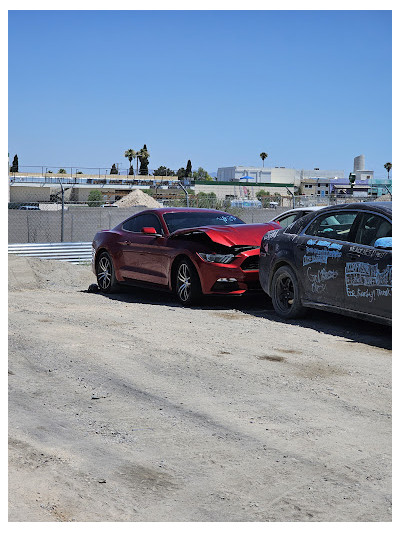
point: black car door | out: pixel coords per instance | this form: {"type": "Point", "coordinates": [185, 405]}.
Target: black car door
{"type": "Point", "coordinates": [368, 270]}
{"type": "Point", "coordinates": [319, 253]}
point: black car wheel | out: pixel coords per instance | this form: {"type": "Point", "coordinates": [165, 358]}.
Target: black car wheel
{"type": "Point", "coordinates": [285, 293]}
{"type": "Point", "coordinates": [187, 283]}
{"type": "Point", "coordinates": [106, 279]}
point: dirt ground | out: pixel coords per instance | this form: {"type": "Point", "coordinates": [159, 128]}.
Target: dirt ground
{"type": "Point", "coordinates": [131, 408]}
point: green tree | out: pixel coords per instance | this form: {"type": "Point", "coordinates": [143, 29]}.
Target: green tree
{"type": "Point", "coordinates": [388, 167]}
{"type": "Point", "coordinates": [181, 173]}
{"type": "Point", "coordinates": [113, 169]}
{"type": "Point", "coordinates": [144, 156]}
{"type": "Point", "coordinates": [62, 171]}
{"type": "Point", "coordinates": [95, 198]}
{"type": "Point", "coordinates": [264, 197]}
{"type": "Point", "coordinates": [201, 174]}
{"type": "Point", "coordinates": [206, 199]}
{"type": "Point", "coordinates": [130, 154]}
{"type": "Point", "coordinates": [263, 156]}
{"type": "Point", "coordinates": [163, 171]}
{"type": "Point", "coordinates": [14, 166]}
{"type": "Point", "coordinates": [188, 171]}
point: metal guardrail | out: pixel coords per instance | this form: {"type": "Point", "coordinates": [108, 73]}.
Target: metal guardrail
{"type": "Point", "coordinates": [72, 252]}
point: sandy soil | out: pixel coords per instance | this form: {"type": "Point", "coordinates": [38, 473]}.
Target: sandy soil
{"type": "Point", "coordinates": [137, 197]}
{"type": "Point", "coordinates": [131, 408]}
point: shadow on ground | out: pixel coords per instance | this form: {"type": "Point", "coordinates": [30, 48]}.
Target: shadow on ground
{"type": "Point", "coordinates": [259, 305]}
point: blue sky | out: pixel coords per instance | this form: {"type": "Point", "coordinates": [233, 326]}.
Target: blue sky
{"type": "Point", "coordinates": [310, 88]}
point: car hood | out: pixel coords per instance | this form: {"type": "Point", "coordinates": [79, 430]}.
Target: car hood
{"type": "Point", "coordinates": [239, 234]}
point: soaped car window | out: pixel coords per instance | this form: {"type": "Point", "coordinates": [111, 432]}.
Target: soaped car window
{"type": "Point", "coordinates": [177, 221]}
{"type": "Point", "coordinates": [372, 227]}
{"type": "Point", "coordinates": [136, 224]}
{"type": "Point", "coordinates": [333, 226]}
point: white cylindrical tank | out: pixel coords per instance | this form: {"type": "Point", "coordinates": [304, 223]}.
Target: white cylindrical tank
{"type": "Point", "coordinates": [359, 162]}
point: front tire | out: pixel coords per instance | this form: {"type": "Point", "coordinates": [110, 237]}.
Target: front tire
{"type": "Point", "coordinates": [105, 274]}
{"type": "Point", "coordinates": [285, 294]}
{"type": "Point", "coordinates": [187, 283]}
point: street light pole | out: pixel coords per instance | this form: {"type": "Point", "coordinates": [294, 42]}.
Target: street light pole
{"type": "Point", "coordinates": [187, 194]}
{"type": "Point", "coordinates": [293, 197]}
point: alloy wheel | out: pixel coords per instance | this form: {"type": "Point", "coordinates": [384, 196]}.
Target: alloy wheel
{"type": "Point", "coordinates": [104, 272]}
{"type": "Point", "coordinates": [183, 282]}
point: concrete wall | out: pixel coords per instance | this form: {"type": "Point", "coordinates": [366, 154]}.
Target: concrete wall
{"type": "Point", "coordinates": [29, 194]}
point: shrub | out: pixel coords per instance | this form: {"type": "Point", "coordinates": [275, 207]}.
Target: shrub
{"type": "Point", "coordinates": [95, 198]}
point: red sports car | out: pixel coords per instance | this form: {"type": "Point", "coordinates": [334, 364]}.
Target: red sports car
{"type": "Point", "coordinates": [188, 251]}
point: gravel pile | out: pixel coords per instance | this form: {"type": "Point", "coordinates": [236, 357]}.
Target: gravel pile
{"type": "Point", "coordinates": [384, 198]}
{"type": "Point", "coordinates": [137, 197]}
{"type": "Point", "coordinates": [31, 273]}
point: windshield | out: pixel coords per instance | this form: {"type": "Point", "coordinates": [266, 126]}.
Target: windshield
{"type": "Point", "coordinates": [183, 220]}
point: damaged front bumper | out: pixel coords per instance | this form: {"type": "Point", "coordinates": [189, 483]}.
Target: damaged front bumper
{"type": "Point", "coordinates": [234, 278]}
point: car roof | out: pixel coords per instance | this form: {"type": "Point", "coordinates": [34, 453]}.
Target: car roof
{"type": "Point", "coordinates": [383, 207]}
{"type": "Point", "coordinates": [164, 210]}
{"type": "Point", "coordinates": [309, 208]}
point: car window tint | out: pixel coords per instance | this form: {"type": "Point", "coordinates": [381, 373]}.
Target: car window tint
{"type": "Point", "coordinates": [288, 219]}
{"type": "Point", "coordinates": [136, 224]}
{"type": "Point", "coordinates": [185, 219]}
{"type": "Point", "coordinates": [372, 227]}
{"type": "Point", "coordinates": [332, 226]}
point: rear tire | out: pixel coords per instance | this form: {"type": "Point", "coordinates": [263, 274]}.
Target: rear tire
{"type": "Point", "coordinates": [285, 293]}
{"type": "Point", "coordinates": [105, 273]}
{"type": "Point", "coordinates": [187, 283]}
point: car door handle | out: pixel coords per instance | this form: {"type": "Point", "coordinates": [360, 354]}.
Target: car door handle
{"type": "Point", "coordinates": [126, 242]}
{"type": "Point", "coordinates": [353, 256]}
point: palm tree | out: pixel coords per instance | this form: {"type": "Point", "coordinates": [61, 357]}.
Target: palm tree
{"type": "Point", "coordinates": [388, 167]}
{"type": "Point", "coordinates": [143, 152]}
{"type": "Point", "coordinates": [130, 154]}
{"type": "Point", "coordinates": [263, 156]}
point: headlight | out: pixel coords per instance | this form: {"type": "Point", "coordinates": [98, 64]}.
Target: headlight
{"type": "Point", "coordinates": [217, 258]}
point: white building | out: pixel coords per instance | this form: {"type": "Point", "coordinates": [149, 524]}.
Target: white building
{"type": "Point", "coordinates": [274, 174]}
{"type": "Point", "coordinates": [359, 169]}
{"type": "Point", "coordinates": [258, 174]}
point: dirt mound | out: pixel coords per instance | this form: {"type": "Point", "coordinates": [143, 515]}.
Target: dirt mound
{"type": "Point", "coordinates": [137, 197]}
{"type": "Point", "coordinates": [28, 273]}
{"type": "Point", "coordinates": [384, 198]}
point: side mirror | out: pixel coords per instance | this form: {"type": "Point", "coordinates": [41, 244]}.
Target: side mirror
{"type": "Point", "coordinates": [150, 231]}
{"type": "Point", "coordinates": [384, 243]}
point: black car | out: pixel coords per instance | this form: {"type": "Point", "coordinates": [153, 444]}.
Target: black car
{"type": "Point", "coordinates": [336, 259]}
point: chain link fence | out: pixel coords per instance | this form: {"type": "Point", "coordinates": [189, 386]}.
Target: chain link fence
{"type": "Point", "coordinates": [37, 222]}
